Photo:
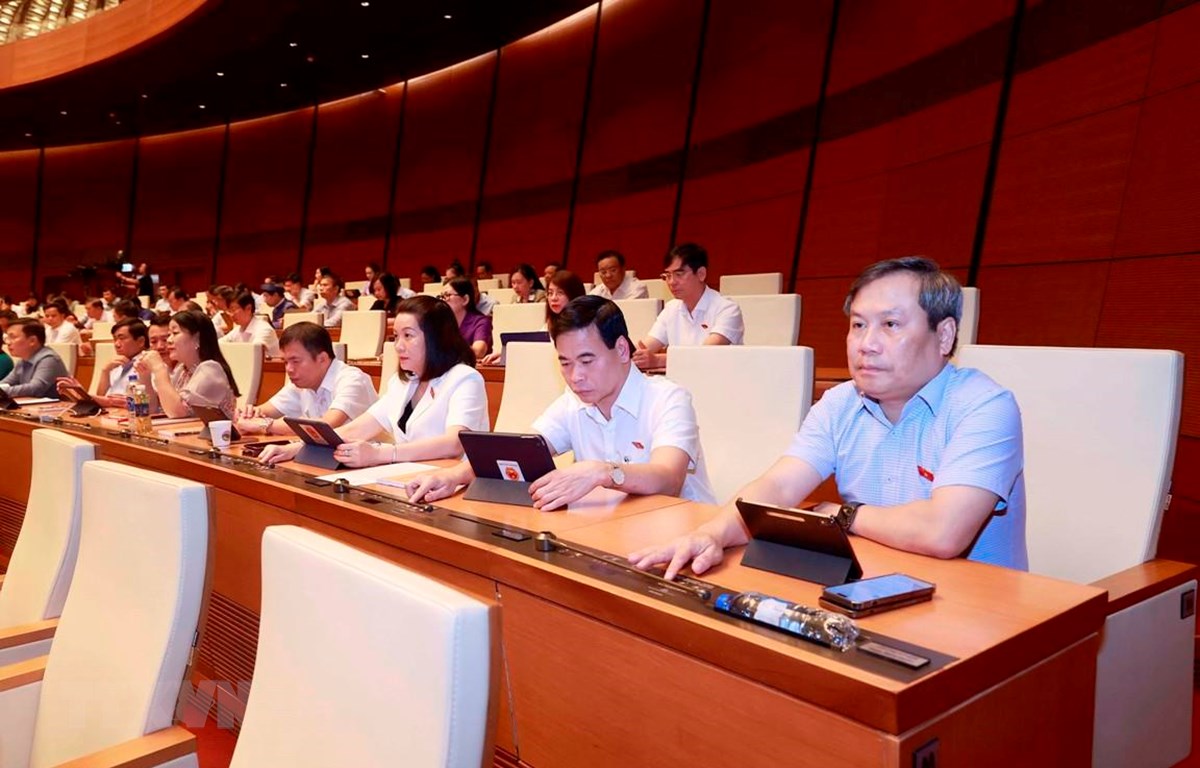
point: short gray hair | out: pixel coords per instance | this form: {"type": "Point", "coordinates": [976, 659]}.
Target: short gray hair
{"type": "Point", "coordinates": [940, 294]}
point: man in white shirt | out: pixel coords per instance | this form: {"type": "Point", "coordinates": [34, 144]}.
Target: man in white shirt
{"type": "Point", "coordinates": [58, 330]}
{"type": "Point", "coordinates": [163, 303]}
{"type": "Point", "coordinates": [331, 304]}
{"type": "Point", "coordinates": [615, 283]}
{"type": "Point", "coordinates": [319, 385]}
{"type": "Point", "coordinates": [296, 292]}
{"type": "Point", "coordinates": [629, 432]}
{"type": "Point", "coordinates": [249, 327]}
{"type": "Point", "coordinates": [697, 315]}
{"type": "Point", "coordinates": [130, 338]}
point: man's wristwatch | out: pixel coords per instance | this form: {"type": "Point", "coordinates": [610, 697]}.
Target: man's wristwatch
{"type": "Point", "coordinates": [616, 475]}
{"type": "Point", "coordinates": [845, 516]}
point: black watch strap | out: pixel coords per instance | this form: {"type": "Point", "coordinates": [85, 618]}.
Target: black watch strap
{"type": "Point", "coordinates": [846, 514]}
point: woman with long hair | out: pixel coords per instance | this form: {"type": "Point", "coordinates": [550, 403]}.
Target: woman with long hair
{"type": "Point", "coordinates": [387, 292]}
{"type": "Point", "coordinates": [527, 286]}
{"type": "Point", "coordinates": [201, 376]}
{"type": "Point", "coordinates": [475, 327]}
{"type": "Point", "coordinates": [562, 287]}
{"type": "Point", "coordinates": [436, 394]}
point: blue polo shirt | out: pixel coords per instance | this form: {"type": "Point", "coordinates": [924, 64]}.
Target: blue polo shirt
{"type": "Point", "coordinates": [961, 428]}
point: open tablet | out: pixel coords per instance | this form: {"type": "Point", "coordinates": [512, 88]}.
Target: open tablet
{"type": "Point", "coordinates": [208, 414]}
{"type": "Point", "coordinates": [796, 543]}
{"type": "Point", "coordinates": [319, 441]}
{"type": "Point", "coordinates": [505, 464]}
{"type": "Point", "coordinates": [85, 404]}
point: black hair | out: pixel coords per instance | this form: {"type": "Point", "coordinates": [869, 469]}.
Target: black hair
{"type": "Point", "coordinates": [464, 287]}
{"type": "Point", "coordinates": [200, 325]}
{"type": "Point", "coordinates": [30, 327]}
{"type": "Point", "coordinates": [445, 346]}
{"type": "Point", "coordinates": [314, 338]}
{"type": "Point", "coordinates": [528, 273]}
{"type": "Point", "coordinates": [137, 329]}
{"type": "Point", "coordinates": [569, 283]}
{"type": "Point", "coordinates": [593, 310]}
{"type": "Point", "coordinates": [939, 293]}
{"type": "Point", "coordinates": [611, 254]}
{"type": "Point", "coordinates": [692, 256]}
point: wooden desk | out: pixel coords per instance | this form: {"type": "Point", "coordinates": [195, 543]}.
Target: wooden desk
{"type": "Point", "coordinates": [597, 674]}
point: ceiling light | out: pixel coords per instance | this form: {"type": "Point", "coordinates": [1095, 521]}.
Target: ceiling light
{"type": "Point", "coordinates": [201, 106]}
{"type": "Point", "coordinates": [283, 85]}
{"type": "Point", "coordinates": [292, 45]}
{"type": "Point", "coordinates": [366, 55]}
{"type": "Point", "coordinates": [220, 74]}
{"type": "Point", "coordinates": [62, 112]}
{"type": "Point", "coordinates": [144, 96]}
{"type": "Point", "coordinates": [28, 135]}
{"type": "Point", "coordinates": [364, 3]}
{"type": "Point", "coordinates": [447, 16]}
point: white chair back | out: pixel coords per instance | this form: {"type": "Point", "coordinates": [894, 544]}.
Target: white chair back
{"type": "Point", "coordinates": [657, 289]}
{"type": "Point", "coordinates": [43, 560]}
{"type": "Point", "coordinates": [406, 282]}
{"type": "Point", "coordinates": [339, 350]}
{"type": "Point", "coordinates": [69, 352]}
{"type": "Point", "coordinates": [741, 391]}
{"type": "Point", "coordinates": [432, 289]}
{"type": "Point", "coordinates": [144, 301]}
{"type": "Point", "coordinates": [201, 299]}
{"type": "Point", "coordinates": [291, 318]}
{"type": "Point", "coordinates": [103, 355]}
{"type": "Point", "coordinates": [512, 318]}
{"type": "Point", "coordinates": [362, 662]}
{"type": "Point", "coordinates": [771, 320]}
{"type": "Point", "coordinates": [1089, 414]}
{"type": "Point", "coordinates": [355, 285]}
{"type": "Point", "coordinates": [127, 629]}
{"type": "Point", "coordinates": [501, 295]}
{"type": "Point", "coordinates": [487, 283]}
{"type": "Point", "coordinates": [755, 284]}
{"type": "Point", "coordinates": [532, 380]}
{"type": "Point", "coordinates": [246, 362]}
{"type": "Point", "coordinates": [640, 315]}
{"type": "Point", "coordinates": [363, 333]}
{"type": "Point", "coordinates": [389, 367]}
{"type": "Point", "coordinates": [102, 330]}
{"type": "Point", "coordinates": [365, 302]}
{"type": "Point", "coordinates": [968, 329]}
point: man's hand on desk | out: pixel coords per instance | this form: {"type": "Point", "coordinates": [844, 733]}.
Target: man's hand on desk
{"type": "Point", "coordinates": [563, 486]}
{"type": "Point", "coordinates": [701, 549]}
{"type": "Point", "coordinates": [440, 484]}
{"type": "Point", "coordinates": [274, 454]}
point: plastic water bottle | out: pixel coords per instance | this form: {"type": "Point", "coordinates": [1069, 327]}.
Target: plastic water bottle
{"type": "Point", "coordinates": [137, 399]}
{"type": "Point", "coordinates": [823, 627]}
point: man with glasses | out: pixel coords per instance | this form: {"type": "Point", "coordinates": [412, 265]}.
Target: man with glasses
{"type": "Point", "coordinates": [249, 327]}
{"type": "Point", "coordinates": [697, 315]}
{"type": "Point", "coordinates": [615, 283]}
{"type": "Point", "coordinates": [130, 338]}
{"type": "Point", "coordinates": [38, 367]}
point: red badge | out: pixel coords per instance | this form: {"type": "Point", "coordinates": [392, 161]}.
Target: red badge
{"type": "Point", "coordinates": [925, 473]}
{"type": "Point", "coordinates": [638, 445]}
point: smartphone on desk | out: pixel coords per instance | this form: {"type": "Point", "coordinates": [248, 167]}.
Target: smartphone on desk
{"type": "Point", "coordinates": [877, 594]}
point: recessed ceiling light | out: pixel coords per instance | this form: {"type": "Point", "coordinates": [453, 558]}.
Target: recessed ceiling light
{"type": "Point", "coordinates": [145, 96]}
{"type": "Point", "coordinates": [202, 106]}
{"type": "Point", "coordinates": [364, 3]}
{"type": "Point", "coordinates": [283, 85]}
{"type": "Point", "coordinates": [28, 135]}
{"type": "Point", "coordinates": [220, 74]}
{"type": "Point", "coordinates": [62, 112]}
{"type": "Point", "coordinates": [118, 122]}
{"type": "Point", "coordinates": [447, 16]}
{"type": "Point", "coordinates": [292, 45]}
{"type": "Point", "coordinates": [366, 55]}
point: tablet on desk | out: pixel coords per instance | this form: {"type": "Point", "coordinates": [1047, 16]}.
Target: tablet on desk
{"type": "Point", "coordinates": [319, 441]}
{"type": "Point", "coordinates": [505, 464]}
{"type": "Point", "coordinates": [796, 543]}
{"type": "Point", "coordinates": [85, 404]}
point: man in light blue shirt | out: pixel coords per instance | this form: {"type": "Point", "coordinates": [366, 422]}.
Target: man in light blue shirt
{"type": "Point", "coordinates": [928, 457]}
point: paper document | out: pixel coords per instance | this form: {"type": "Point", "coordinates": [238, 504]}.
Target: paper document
{"type": "Point", "coordinates": [37, 400]}
{"type": "Point", "coordinates": [368, 475]}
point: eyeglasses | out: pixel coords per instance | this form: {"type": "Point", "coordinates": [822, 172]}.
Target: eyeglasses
{"type": "Point", "coordinates": [675, 274]}
{"type": "Point", "coordinates": [446, 295]}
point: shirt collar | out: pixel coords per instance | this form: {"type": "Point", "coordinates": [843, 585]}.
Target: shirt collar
{"type": "Point", "coordinates": [628, 400]}
{"type": "Point", "coordinates": [706, 300]}
{"type": "Point", "coordinates": [327, 383]}
{"type": "Point", "coordinates": [931, 395]}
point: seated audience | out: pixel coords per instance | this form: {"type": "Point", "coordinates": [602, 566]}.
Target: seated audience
{"type": "Point", "coordinates": [220, 300]}
{"type": "Point", "coordinates": [201, 377]}
{"type": "Point", "coordinates": [162, 303]}
{"type": "Point", "coordinates": [430, 274]}
{"type": "Point", "coordinates": [249, 327]}
{"type": "Point", "coordinates": [331, 304]}
{"type": "Point", "coordinates": [631, 432]}
{"type": "Point", "coordinates": [928, 457]}
{"type": "Point", "coordinates": [527, 288]}
{"type": "Point", "coordinates": [697, 315]}
{"type": "Point", "coordinates": [94, 312]}
{"type": "Point", "coordinates": [454, 271]}
{"type": "Point", "coordinates": [276, 303]}
{"type": "Point", "coordinates": [476, 327]}
{"type": "Point", "coordinates": [436, 394]}
{"type": "Point", "coordinates": [483, 271]}
{"type": "Point", "coordinates": [615, 283]}
{"type": "Point", "coordinates": [549, 270]}
{"type": "Point", "coordinates": [562, 288]}
{"type": "Point", "coordinates": [296, 292]}
{"type": "Point", "coordinates": [130, 338]}
{"type": "Point", "coordinates": [388, 293]}
{"type": "Point", "coordinates": [176, 299]}
{"type": "Point", "coordinates": [58, 330]}
{"type": "Point", "coordinates": [319, 386]}
{"type": "Point", "coordinates": [371, 272]}
{"type": "Point", "coordinates": [6, 361]}
{"type": "Point", "coordinates": [38, 368]}
{"type": "Point", "coordinates": [159, 335]}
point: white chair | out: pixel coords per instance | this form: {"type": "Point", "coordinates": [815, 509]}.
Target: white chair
{"type": "Point", "coordinates": [504, 279]}
{"type": "Point", "coordinates": [640, 315]}
{"type": "Point", "coordinates": [43, 560]}
{"type": "Point", "coordinates": [513, 318]}
{"type": "Point", "coordinates": [69, 352]}
{"type": "Point", "coordinates": [968, 327]}
{"type": "Point", "coordinates": [103, 355]}
{"type": "Point", "coordinates": [756, 284]}
{"type": "Point", "coordinates": [1100, 427]}
{"type": "Point", "coordinates": [126, 633]}
{"type": "Point", "coordinates": [339, 350]}
{"type": "Point", "coordinates": [406, 282]}
{"type": "Point", "coordinates": [366, 302]}
{"type": "Point", "coordinates": [657, 289]}
{"type": "Point", "coordinates": [749, 404]}
{"type": "Point", "coordinates": [363, 663]}
{"type": "Point", "coordinates": [771, 320]}
{"type": "Point", "coordinates": [201, 299]}
{"type": "Point", "coordinates": [291, 318]}
{"type": "Point", "coordinates": [433, 289]}
{"type": "Point", "coordinates": [501, 295]}
{"type": "Point", "coordinates": [102, 330]}
{"type": "Point", "coordinates": [487, 283]}
{"type": "Point", "coordinates": [532, 380]}
{"type": "Point", "coordinates": [355, 285]}
{"type": "Point", "coordinates": [144, 301]}
{"type": "Point", "coordinates": [363, 333]}
{"type": "Point", "coordinates": [388, 368]}
{"type": "Point", "coordinates": [246, 362]}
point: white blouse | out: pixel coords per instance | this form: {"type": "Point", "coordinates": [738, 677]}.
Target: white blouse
{"type": "Point", "coordinates": [457, 398]}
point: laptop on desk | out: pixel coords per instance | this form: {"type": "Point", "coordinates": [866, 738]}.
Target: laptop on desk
{"type": "Point", "coordinates": [505, 465]}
